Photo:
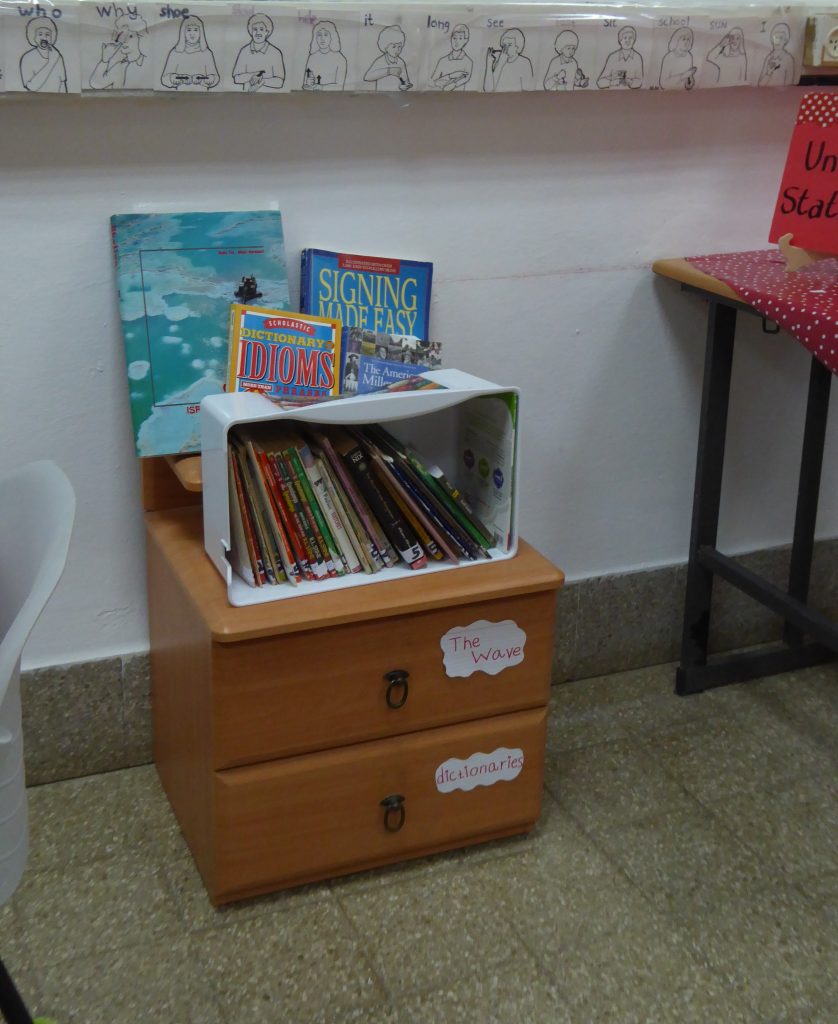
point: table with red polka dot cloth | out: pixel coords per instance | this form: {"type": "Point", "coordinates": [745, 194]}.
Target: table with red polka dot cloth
{"type": "Point", "coordinates": [803, 302]}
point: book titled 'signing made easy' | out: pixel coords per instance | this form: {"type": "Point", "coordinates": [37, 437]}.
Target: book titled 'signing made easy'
{"type": "Point", "coordinates": [177, 275]}
{"type": "Point", "coordinates": [378, 295]}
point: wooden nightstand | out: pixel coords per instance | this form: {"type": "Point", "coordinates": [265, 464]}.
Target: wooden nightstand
{"type": "Point", "coordinates": [303, 739]}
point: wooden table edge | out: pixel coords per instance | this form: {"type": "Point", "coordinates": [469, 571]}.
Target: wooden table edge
{"type": "Point", "coordinates": [684, 272]}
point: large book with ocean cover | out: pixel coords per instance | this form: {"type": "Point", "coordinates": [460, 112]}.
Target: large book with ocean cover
{"type": "Point", "coordinates": [380, 295]}
{"type": "Point", "coordinates": [177, 275]}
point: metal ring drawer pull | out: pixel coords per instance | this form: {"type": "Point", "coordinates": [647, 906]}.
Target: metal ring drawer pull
{"type": "Point", "coordinates": [393, 812]}
{"type": "Point", "coordinates": [396, 695]}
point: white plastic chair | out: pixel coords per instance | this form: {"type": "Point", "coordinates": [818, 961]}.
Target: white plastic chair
{"type": "Point", "coordinates": [37, 508]}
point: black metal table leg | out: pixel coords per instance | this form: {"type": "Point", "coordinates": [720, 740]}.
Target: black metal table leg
{"type": "Point", "coordinates": [712, 431]}
{"type": "Point", "coordinates": [12, 1007]}
{"type": "Point", "coordinates": [814, 436]}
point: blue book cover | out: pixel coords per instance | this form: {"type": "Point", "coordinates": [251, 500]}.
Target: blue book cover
{"type": "Point", "coordinates": [385, 359]}
{"type": "Point", "coordinates": [178, 274]}
{"type": "Point", "coordinates": [377, 374]}
{"type": "Point", "coordinates": [377, 294]}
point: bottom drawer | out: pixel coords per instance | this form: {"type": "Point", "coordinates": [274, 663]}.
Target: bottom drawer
{"type": "Point", "coordinates": [287, 822]}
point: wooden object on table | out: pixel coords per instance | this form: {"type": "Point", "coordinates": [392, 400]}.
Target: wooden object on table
{"type": "Point", "coordinates": [187, 468]}
{"type": "Point", "coordinates": [797, 258]}
{"type": "Point", "coordinates": [280, 731]}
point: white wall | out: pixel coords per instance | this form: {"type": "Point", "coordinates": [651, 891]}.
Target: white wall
{"type": "Point", "coordinates": [541, 214]}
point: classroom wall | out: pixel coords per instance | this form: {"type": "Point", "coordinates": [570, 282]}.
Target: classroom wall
{"type": "Point", "coordinates": [541, 213]}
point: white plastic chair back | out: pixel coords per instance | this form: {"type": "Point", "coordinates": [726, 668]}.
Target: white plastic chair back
{"type": "Point", "coordinates": [37, 507]}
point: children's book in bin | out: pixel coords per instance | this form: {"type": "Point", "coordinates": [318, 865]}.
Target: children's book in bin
{"type": "Point", "coordinates": [282, 355]}
{"type": "Point", "coordinates": [177, 275]}
{"type": "Point", "coordinates": [378, 294]}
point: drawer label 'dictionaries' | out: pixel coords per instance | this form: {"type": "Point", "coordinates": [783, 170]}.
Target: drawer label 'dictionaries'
{"type": "Point", "coordinates": [502, 765]}
{"type": "Point", "coordinates": [482, 647]}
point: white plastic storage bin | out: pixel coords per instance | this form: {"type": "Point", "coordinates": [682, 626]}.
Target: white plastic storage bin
{"type": "Point", "coordinates": [436, 421]}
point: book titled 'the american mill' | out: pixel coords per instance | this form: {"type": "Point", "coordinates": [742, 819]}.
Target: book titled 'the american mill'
{"type": "Point", "coordinates": [374, 297]}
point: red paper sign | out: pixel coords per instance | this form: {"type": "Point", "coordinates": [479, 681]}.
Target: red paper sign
{"type": "Point", "coordinates": [807, 206]}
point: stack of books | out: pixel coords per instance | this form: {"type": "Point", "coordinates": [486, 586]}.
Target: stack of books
{"type": "Point", "coordinates": [313, 502]}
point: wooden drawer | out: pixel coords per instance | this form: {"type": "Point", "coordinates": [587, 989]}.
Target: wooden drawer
{"type": "Point", "coordinates": [324, 688]}
{"type": "Point", "coordinates": [310, 817]}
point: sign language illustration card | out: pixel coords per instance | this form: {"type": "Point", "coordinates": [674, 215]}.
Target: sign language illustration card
{"type": "Point", "coordinates": [511, 53]}
{"type": "Point", "coordinates": [116, 46]}
{"type": "Point", "coordinates": [725, 51]}
{"type": "Point", "coordinates": [774, 42]}
{"type": "Point", "coordinates": [569, 54]}
{"type": "Point", "coordinates": [260, 49]}
{"type": "Point", "coordinates": [189, 48]}
{"type": "Point", "coordinates": [389, 50]}
{"type": "Point", "coordinates": [327, 48]}
{"type": "Point", "coordinates": [676, 57]}
{"type": "Point", "coordinates": [41, 45]}
{"type": "Point", "coordinates": [450, 51]}
{"type": "Point", "coordinates": [624, 53]}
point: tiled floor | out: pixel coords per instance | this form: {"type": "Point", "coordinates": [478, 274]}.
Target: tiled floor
{"type": "Point", "coordinates": [684, 870]}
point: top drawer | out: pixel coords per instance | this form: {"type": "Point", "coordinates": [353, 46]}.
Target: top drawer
{"type": "Point", "coordinates": [307, 691]}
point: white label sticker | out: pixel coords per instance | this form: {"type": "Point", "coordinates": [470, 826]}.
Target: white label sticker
{"type": "Point", "coordinates": [502, 765]}
{"type": "Point", "coordinates": [482, 647]}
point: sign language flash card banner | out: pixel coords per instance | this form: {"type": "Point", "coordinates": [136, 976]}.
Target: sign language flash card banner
{"type": "Point", "coordinates": [270, 47]}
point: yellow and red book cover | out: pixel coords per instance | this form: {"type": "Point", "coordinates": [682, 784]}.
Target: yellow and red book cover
{"type": "Point", "coordinates": [281, 354]}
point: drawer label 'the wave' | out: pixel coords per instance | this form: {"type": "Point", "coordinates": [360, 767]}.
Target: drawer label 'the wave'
{"type": "Point", "coordinates": [502, 765]}
{"type": "Point", "coordinates": [482, 647]}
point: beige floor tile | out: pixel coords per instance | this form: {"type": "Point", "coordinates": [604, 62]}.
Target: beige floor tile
{"type": "Point", "coordinates": [664, 986]}
{"type": "Point", "coordinates": [295, 966]}
{"type": "Point", "coordinates": [569, 729]}
{"type": "Point", "coordinates": [772, 946]}
{"type": "Point", "coordinates": [12, 948]}
{"type": "Point", "coordinates": [424, 933]}
{"type": "Point", "coordinates": [574, 920]}
{"type": "Point", "coordinates": [806, 691]}
{"type": "Point", "coordinates": [612, 955]}
{"type": "Point", "coordinates": [152, 805]}
{"type": "Point", "coordinates": [83, 820]}
{"type": "Point", "coordinates": [379, 1013]}
{"type": "Point", "coordinates": [602, 691]}
{"type": "Point", "coordinates": [81, 910]}
{"type": "Point", "coordinates": [611, 784]}
{"type": "Point", "coordinates": [176, 866]}
{"type": "Point", "coordinates": [513, 993]}
{"type": "Point", "coordinates": [719, 757]}
{"type": "Point", "coordinates": [560, 852]}
{"type": "Point", "coordinates": [822, 893]}
{"type": "Point", "coordinates": [795, 826]}
{"type": "Point", "coordinates": [141, 984]}
{"type": "Point", "coordinates": [682, 853]}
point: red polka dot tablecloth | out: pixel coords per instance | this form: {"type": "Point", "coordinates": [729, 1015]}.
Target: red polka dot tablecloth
{"type": "Point", "coordinates": [803, 302]}
{"type": "Point", "coordinates": [818, 108]}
